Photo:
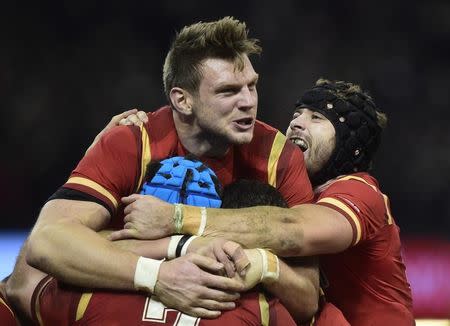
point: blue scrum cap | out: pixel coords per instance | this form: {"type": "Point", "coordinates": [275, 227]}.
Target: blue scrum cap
{"type": "Point", "coordinates": [183, 180]}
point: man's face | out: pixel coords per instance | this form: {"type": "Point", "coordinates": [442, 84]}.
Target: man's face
{"type": "Point", "coordinates": [226, 104]}
{"type": "Point", "coordinates": [314, 135]}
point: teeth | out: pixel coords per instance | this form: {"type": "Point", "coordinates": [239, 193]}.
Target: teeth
{"type": "Point", "coordinates": [301, 143]}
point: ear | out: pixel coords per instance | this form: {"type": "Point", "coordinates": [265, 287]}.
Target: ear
{"type": "Point", "coordinates": [182, 100]}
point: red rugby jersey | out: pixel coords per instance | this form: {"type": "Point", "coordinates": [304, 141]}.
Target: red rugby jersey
{"type": "Point", "coordinates": [57, 304]}
{"type": "Point", "coordinates": [367, 281]}
{"type": "Point", "coordinates": [116, 165]}
{"type": "Point", "coordinates": [6, 314]}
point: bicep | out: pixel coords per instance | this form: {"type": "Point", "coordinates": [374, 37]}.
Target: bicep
{"type": "Point", "coordinates": [92, 215]}
{"type": "Point", "coordinates": [322, 229]}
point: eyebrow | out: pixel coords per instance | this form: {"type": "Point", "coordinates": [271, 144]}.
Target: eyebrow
{"type": "Point", "coordinates": [227, 85]}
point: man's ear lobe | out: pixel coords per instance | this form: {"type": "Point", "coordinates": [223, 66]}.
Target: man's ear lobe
{"type": "Point", "coordinates": [182, 100]}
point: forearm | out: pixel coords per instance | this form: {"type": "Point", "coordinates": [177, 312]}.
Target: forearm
{"type": "Point", "coordinates": [264, 227]}
{"type": "Point", "coordinates": [297, 288]}
{"type": "Point", "coordinates": [156, 249]}
{"type": "Point", "coordinates": [305, 230]}
{"type": "Point", "coordinates": [69, 248]}
{"type": "Point", "coordinates": [75, 254]}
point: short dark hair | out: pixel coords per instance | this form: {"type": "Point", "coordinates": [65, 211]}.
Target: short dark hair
{"type": "Point", "coordinates": [247, 193]}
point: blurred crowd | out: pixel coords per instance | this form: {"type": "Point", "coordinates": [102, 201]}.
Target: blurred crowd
{"type": "Point", "coordinates": [67, 67]}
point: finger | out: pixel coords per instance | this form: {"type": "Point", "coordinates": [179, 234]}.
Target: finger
{"type": "Point", "coordinates": [203, 313]}
{"type": "Point", "coordinates": [134, 120]}
{"type": "Point", "coordinates": [142, 116]}
{"type": "Point", "coordinates": [206, 263]}
{"type": "Point", "coordinates": [125, 114]}
{"type": "Point", "coordinates": [225, 260]}
{"type": "Point", "coordinates": [219, 295]}
{"type": "Point", "coordinates": [223, 283]}
{"type": "Point", "coordinates": [216, 305]}
{"type": "Point", "coordinates": [123, 234]}
{"type": "Point", "coordinates": [127, 219]}
{"type": "Point", "coordinates": [122, 122]}
{"type": "Point", "coordinates": [237, 254]}
{"type": "Point", "coordinates": [130, 199]}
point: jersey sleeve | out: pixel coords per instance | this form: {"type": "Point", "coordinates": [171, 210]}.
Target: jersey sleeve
{"type": "Point", "coordinates": [292, 178]}
{"type": "Point", "coordinates": [6, 314]}
{"type": "Point", "coordinates": [362, 204]}
{"type": "Point", "coordinates": [110, 169]}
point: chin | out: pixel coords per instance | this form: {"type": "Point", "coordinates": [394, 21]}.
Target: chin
{"type": "Point", "coordinates": [241, 139]}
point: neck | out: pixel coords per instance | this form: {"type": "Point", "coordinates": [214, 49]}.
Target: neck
{"type": "Point", "coordinates": [197, 141]}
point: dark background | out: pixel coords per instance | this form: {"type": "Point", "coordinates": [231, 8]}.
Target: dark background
{"type": "Point", "coordinates": [67, 66]}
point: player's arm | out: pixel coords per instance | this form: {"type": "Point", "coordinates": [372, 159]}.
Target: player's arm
{"type": "Point", "coordinates": [297, 287]}
{"type": "Point", "coordinates": [297, 283]}
{"type": "Point", "coordinates": [64, 243]}
{"type": "Point", "coordinates": [129, 117]}
{"type": "Point", "coordinates": [304, 230]}
{"type": "Point", "coordinates": [156, 249]}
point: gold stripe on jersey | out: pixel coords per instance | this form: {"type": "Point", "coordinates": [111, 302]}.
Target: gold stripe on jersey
{"type": "Point", "coordinates": [385, 198]}
{"type": "Point", "coordinates": [4, 303]}
{"type": "Point", "coordinates": [82, 305]}
{"type": "Point", "coordinates": [37, 305]}
{"type": "Point", "coordinates": [146, 155]}
{"type": "Point", "coordinates": [352, 177]}
{"type": "Point", "coordinates": [264, 309]}
{"type": "Point", "coordinates": [275, 152]}
{"type": "Point", "coordinates": [93, 185]}
{"type": "Point", "coordinates": [388, 210]}
{"type": "Point", "coordinates": [346, 209]}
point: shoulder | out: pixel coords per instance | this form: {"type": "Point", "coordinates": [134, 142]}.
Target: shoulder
{"type": "Point", "coordinates": [356, 183]}
{"type": "Point", "coordinates": [358, 197]}
{"type": "Point", "coordinates": [265, 138]}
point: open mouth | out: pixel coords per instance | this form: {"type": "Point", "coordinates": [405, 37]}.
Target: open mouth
{"type": "Point", "coordinates": [300, 142]}
{"type": "Point", "coordinates": [244, 122]}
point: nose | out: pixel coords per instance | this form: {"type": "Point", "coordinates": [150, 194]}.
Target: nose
{"type": "Point", "coordinates": [298, 122]}
{"type": "Point", "coordinates": [248, 98]}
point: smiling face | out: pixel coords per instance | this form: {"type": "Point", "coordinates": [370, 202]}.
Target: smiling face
{"type": "Point", "coordinates": [225, 105]}
{"type": "Point", "coordinates": [314, 135]}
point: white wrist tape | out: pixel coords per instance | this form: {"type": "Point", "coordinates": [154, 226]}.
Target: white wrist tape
{"type": "Point", "coordinates": [204, 217]}
{"type": "Point", "coordinates": [173, 246]}
{"type": "Point", "coordinates": [146, 274]}
{"type": "Point", "coordinates": [186, 245]}
{"type": "Point", "coordinates": [270, 266]}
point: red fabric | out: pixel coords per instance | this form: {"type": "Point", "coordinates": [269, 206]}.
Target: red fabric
{"type": "Point", "coordinates": [58, 306]}
{"type": "Point", "coordinates": [6, 314]}
{"type": "Point", "coordinates": [367, 281]}
{"type": "Point", "coordinates": [53, 303]}
{"type": "Point", "coordinates": [115, 161]}
{"type": "Point", "coordinates": [330, 316]}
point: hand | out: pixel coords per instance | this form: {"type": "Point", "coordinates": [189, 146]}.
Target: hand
{"type": "Point", "coordinates": [229, 253]}
{"type": "Point", "coordinates": [136, 118]}
{"type": "Point", "coordinates": [187, 284]}
{"type": "Point", "coordinates": [129, 117]}
{"type": "Point", "coordinates": [254, 271]}
{"type": "Point", "coordinates": [146, 218]}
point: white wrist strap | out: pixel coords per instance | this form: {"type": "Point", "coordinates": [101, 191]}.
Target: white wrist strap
{"type": "Point", "coordinates": [270, 266]}
{"type": "Point", "coordinates": [186, 245]}
{"type": "Point", "coordinates": [146, 274]}
{"type": "Point", "coordinates": [173, 246]}
{"type": "Point", "coordinates": [204, 217]}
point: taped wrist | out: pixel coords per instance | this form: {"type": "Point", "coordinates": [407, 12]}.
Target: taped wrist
{"type": "Point", "coordinates": [270, 266]}
{"type": "Point", "coordinates": [190, 219]}
{"type": "Point", "coordinates": [171, 250]}
{"type": "Point", "coordinates": [146, 274]}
